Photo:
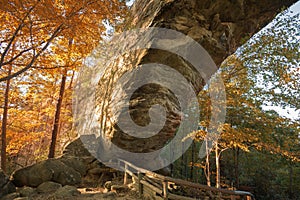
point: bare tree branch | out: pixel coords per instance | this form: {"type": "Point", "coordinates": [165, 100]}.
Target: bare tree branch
{"type": "Point", "coordinates": [15, 35]}
{"type": "Point", "coordinates": [17, 56]}
{"type": "Point", "coordinates": [29, 65]}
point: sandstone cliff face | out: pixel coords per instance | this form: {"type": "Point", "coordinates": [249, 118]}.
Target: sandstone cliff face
{"type": "Point", "coordinates": [220, 26]}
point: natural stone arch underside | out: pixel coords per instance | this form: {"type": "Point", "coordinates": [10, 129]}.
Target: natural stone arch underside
{"type": "Point", "coordinates": [220, 26]}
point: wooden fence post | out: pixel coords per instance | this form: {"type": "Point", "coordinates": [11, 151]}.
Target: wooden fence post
{"type": "Point", "coordinates": [140, 176]}
{"type": "Point", "coordinates": [165, 190]}
{"type": "Point", "coordinates": [125, 174]}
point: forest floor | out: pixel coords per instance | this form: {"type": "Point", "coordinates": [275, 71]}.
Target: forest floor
{"type": "Point", "coordinates": [96, 194]}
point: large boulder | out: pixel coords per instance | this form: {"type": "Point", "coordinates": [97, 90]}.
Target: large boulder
{"type": "Point", "coordinates": [27, 191]}
{"type": "Point", "coordinates": [79, 154]}
{"type": "Point", "coordinates": [77, 163]}
{"type": "Point", "coordinates": [48, 187]}
{"type": "Point", "coordinates": [75, 167]}
{"type": "Point", "coordinates": [66, 192]}
{"type": "Point", "coordinates": [6, 186]}
{"type": "Point", "coordinates": [48, 170]}
{"type": "Point", "coordinates": [32, 176]}
{"type": "Point", "coordinates": [84, 146]}
{"type": "Point", "coordinates": [76, 148]}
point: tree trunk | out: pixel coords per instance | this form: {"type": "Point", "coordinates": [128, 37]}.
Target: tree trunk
{"type": "Point", "coordinates": [57, 116]}
{"type": "Point", "coordinates": [236, 167]}
{"type": "Point", "coordinates": [207, 164]}
{"type": "Point", "coordinates": [4, 124]}
{"type": "Point", "coordinates": [182, 162]}
{"type": "Point", "coordinates": [291, 181]}
{"type": "Point", "coordinates": [186, 168]}
{"type": "Point", "coordinates": [192, 162]}
{"type": "Point", "coordinates": [218, 171]}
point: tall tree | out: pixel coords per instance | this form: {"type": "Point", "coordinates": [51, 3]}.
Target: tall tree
{"type": "Point", "coordinates": [4, 123]}
{"type": "Point", "coordinates": [57, 116]}
{"type": "Point", "coordinates": [56, 123]}
{"type": "Point", "coordinates": [40, 31]}
{"type": "Point", "coordinates": [271, 60]}
{"type": "Point", "coordinates": [33, 25]}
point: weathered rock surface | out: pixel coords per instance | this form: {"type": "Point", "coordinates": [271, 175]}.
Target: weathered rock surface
{"type": "Point", "coordinates": [32, 176]}
{"type": "Point", "coordinates": [220, 26]}
{"type": "Point", "coordinates": [108, 195]}
{"type": "Point", "coordinates": [77, 163]}
{"type": "Point", "coordinates": [11, 196]}
{"type": "Point", "coordinates": [77, 149]}
{"type": "Point", "coordinates": [48, 170]}
{"type": "Point", "coordinates": [27, 191]}
{"type": "Point", "coordinates": [75, 167]}
{"type": "Point", "coordinates": [48, 187]}
{"type": "Point", "coordinates": [66, 191]}
{"type": "Point", "coordinates": [6, 185]}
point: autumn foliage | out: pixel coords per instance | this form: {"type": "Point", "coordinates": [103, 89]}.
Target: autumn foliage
{"type": "Point", "coordinates": [41, 42]}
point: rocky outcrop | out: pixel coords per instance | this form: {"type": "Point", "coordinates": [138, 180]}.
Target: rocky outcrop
{"type": "Point", "coordinates": [48, 170]}
{"type": "Point", "coordinates": [59, 177]}
{"type": "Point", "coordinates": [66, 191]}
{"type": "Point", "coordinates": [75, 167]}
{"type": "Point", "coordinates": [6, 185]}
{"type": "Point", "coordinates": [48, 187]}
{"type": "Point", "coordinates": [220, 26]}
{"type": "Point", "coordinates": [27, 191]}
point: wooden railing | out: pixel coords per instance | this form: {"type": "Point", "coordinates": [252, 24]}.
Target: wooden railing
{"type": "Point", "coordinates": [153, 184]}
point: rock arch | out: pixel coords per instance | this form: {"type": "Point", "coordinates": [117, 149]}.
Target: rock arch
{"type": "Point", "coordinates": [220, 26]}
